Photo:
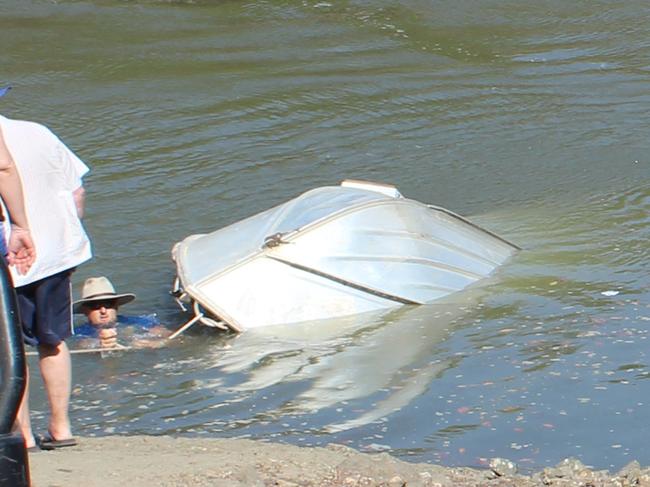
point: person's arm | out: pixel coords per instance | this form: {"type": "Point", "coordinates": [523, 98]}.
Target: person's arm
{"type": "Point", "coordinates": [20, 247]}
{"type": "Point", "coordinates": [148, 343]}
{"type": "Point", "coordinates": [160, 331]}
{"type": "Point", "coordinates": [79, 196]}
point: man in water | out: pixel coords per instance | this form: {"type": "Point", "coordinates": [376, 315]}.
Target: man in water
{"type": "Point", "coordinates": [100, 304]}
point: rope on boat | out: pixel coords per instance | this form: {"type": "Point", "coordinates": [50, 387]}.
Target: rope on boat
{"type": "Point", "coordinates": [196, 318]}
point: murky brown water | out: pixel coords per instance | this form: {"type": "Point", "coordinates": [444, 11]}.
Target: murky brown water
{"type": "Point", "coordinates": [530, 118]}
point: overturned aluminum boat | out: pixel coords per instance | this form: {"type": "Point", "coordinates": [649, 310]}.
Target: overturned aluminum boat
{"type": "Point", "coordinates": [332, 251]}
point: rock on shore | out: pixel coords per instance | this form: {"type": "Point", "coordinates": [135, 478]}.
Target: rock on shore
{"type": "Point", "coordinates": [165, 461]}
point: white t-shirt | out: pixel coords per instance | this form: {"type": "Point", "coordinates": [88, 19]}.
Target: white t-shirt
{"type": "Point", "coordinates": [50, 173]}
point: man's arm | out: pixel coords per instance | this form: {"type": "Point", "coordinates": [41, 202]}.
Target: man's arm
{"type": "Point", "coordinates": [20, 247]}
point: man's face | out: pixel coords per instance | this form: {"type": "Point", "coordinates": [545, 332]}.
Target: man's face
{"type": "Point", "coordinates": [101, 313]}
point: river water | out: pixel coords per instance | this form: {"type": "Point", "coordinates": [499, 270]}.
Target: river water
{"type": "Point", "coordinates": [530, 118]}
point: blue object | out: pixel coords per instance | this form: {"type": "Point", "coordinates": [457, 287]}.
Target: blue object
{"type": "Point", "coordinates": [3, 91]}
{"type": "Point", "coordinates": [3, 245]}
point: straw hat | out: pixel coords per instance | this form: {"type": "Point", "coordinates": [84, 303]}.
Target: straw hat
{"type": "Point", "coordinates": [100, 289]}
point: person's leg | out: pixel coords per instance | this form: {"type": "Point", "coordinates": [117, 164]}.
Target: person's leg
{"type": "Point", "coordinates": [53, 314]}
{"type": "Point", "coordinates": [57, 378]}
{"type": "Point", "coordinates": [23, 424]}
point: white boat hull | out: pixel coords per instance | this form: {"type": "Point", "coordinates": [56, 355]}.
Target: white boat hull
{"type": "Point", "coordinates": [332, 252]}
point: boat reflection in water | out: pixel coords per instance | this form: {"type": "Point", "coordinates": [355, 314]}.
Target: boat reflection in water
{"type": "Point", "coordinates": [331, 252]}
{"type": "Point", "coordinates": [393, 355]}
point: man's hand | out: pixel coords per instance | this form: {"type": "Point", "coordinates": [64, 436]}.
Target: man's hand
{"type": "Point", "coordinates": [20, 249]}
{"type": "Point", "coordinates": [108, 338]}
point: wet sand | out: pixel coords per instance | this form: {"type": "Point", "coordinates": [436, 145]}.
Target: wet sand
{"type": "Point", "coordinates": [166, 461]}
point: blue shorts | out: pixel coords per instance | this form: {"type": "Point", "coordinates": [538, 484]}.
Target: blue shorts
{"type": "Point", "coordinates": [45, 308]}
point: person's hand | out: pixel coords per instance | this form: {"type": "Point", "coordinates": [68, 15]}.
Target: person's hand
{"type": "Point", "coordinates": [20, 249]}
{"type": "Point", "coordinates": [108, 338]}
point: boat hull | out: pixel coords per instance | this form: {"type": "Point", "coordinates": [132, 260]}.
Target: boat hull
{"type": "Point", "coordinates": [332, 252]}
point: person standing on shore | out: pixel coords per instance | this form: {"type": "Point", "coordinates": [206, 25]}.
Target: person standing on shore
{"type": "Point", "coordinates": [18, 249]}
{"type": "Point", "coordinates": [51, 176]}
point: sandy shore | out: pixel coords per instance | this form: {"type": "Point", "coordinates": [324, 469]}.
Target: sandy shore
{"type": "Point", "coordinates": [165, 461]}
